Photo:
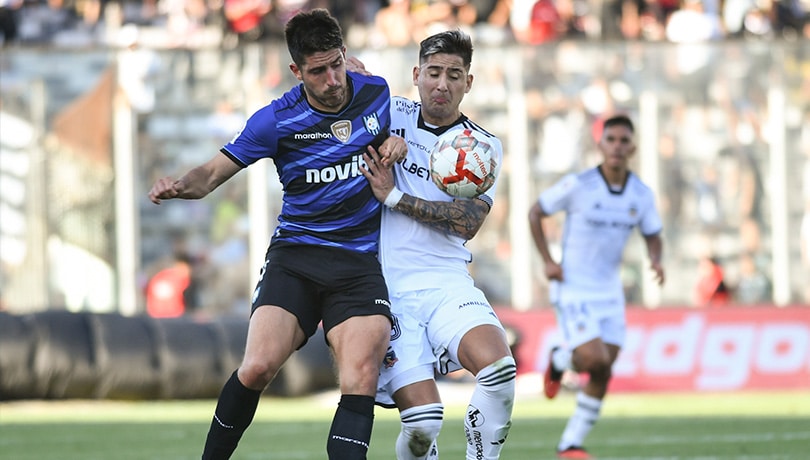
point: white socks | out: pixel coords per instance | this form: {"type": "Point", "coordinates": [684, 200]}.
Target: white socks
{"type": "Point", "coordinates": [490, 411]}
{"type": "Point", "coordinates": [579, 425]}
{"type": "Point", "coordinates": [420, 427]}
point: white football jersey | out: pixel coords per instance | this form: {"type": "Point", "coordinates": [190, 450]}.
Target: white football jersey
{"type": "Point", "coordinates": [413, 255]}
{"type": "Point", "coordinates": [597, 225]}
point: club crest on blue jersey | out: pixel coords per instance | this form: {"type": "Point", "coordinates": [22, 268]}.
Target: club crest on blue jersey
{"type": "Point", "coordinates": [372, 124]}
{"type": "Point", "coordinates": [342, 130]}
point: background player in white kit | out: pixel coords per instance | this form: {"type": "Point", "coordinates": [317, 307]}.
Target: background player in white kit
{"type": "Point", "coordinates": [602, 207]}
{"type": "Point", "coordinates": [441, 318]}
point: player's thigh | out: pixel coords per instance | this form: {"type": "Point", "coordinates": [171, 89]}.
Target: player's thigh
{"type": "Point", "coordinates": [294, 291]}
{"type": "Point", "coordinates": [482, 346]}
{"type": "Point", "coordinates": [359, 344]}
{"type": "Point", "coordinates": [357, 319]}
{"type": "Point", "coordinates": [360, 339]}
{"type": "Point", "coordinates": [462, 310]}
{"type": "Point", "coordinates": [273, 335]}
{"type": "Point", "coordinates": [417, 394]}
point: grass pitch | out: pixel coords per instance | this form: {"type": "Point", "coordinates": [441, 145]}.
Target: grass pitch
{"type": "Point", "coordinates": [740, 426]}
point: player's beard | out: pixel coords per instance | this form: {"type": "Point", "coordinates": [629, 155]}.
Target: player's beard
{"type": "Point", "coordinates": [335, 98]}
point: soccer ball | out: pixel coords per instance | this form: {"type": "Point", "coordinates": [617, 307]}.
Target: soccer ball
{"type": "Point", "coordinates": [463, 163]}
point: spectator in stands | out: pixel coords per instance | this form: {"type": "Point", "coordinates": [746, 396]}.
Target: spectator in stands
{"type": "Point", "coordinates": [693, 23]}
{"type": "Point", "coordinates": [753, 286]}
{"type": "Point", "coordinates": [246, 18]}
{"type": "Point", "coordinates": [545, 23]}
{"type": "Point", "coordinates": [9, 20]}
{"type": "Point", "coordinates": [393, 25]}
{"type": "Point", "coordinates": [711, 290]}
{"type": "Point", "coordinates": [170, 292]}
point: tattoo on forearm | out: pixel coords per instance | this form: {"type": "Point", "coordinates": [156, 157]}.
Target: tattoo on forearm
{"type": "Point", "coordinates": [461, 218]}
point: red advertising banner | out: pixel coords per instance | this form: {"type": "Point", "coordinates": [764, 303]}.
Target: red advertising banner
{"type": "Point", "coordinates": [687, 349]}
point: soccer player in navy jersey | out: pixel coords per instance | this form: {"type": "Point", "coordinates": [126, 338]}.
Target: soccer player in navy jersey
{"type": "Point", "coordinates": [603, 205]}
{"type": "Point", "coordinates": [442, 320]}
{"type": "Point", "coordinates": [321, 264]}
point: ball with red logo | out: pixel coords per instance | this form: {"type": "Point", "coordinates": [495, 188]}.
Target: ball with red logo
{"type": "Point", "coordinates": [464, 163]}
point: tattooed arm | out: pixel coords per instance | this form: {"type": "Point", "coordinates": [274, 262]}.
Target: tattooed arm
{"type": "Point", "coordinates": [462, 218]}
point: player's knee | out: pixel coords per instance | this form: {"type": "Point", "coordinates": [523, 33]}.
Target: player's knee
{"type": "Point", "coordinates": [256, 374]}
{"type": "Point", "coordinates": [421, 426]}
{"type": "Point", "coordinates": [592, 363]}
{"type": "Point", "coordinates": [601, 373]}
{"type": "Point", "coordinates": [498, 379]}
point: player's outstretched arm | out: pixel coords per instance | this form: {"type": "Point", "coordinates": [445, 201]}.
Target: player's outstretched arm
{"type": "Point", "coordinates": [196, 183]}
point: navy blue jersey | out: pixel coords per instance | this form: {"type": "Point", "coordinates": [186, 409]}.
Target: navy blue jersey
{"type": "Point", "coordinates": [327, 201]}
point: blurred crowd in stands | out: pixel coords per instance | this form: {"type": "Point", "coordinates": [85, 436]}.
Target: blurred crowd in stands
{"type": "Point", "coordinates": [382, 23]}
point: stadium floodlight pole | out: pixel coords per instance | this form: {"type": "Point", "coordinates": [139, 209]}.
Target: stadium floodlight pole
{"type": "Point", "coordinates": [258, 179]}
{"type": "Point", "coordinates": [126, 208]}
{"type": "Point", "coordinates": [520, 178]}
{"type": "Point", "coordinates": [780, 236]}
{"type": "Point", "coordinates": [651, 172]}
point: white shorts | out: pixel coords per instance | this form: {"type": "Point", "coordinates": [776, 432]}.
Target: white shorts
{"type": "Point", "coordinates": [581, 321]}
{"type": "Point", "coordinates": [428, 326]}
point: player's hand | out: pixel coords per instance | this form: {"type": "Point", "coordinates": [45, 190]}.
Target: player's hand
{"type": "Point", "coordinates": [659, 273]}
{"type": "Point", "coordinates": [356, 65]}
{"type": "Point", "coordinates": [554, 271]}
{"type": "Point", "coordinates": [164, 189]}
{"type": "Point", "coordinates": [379, 177]}
{"type": "Point", "coordinates": [393, 150]}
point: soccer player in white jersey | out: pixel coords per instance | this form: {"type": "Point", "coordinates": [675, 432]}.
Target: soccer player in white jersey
{"type": "Point", "coordinates": [442, 321]}
{"type": "Point", "coordinates": [603, 205]}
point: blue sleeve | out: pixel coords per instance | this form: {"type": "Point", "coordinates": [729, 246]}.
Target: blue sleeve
{"type": "Point", "coordinates": [256, 140]}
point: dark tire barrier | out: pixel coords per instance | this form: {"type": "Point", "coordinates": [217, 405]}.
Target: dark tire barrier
{"type": "Point", "coordinates": [65, 359]}
{"type": "Point", "coordinates": [63, 355]}
{"type": "Point", "coordinates": [17, 347]}
{"type": "Point", "coordinates": [128, 365]}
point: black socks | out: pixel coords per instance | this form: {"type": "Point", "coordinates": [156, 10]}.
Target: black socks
{"type": "Point", "coordinates": [351, 428]}
{"type": "Point", "coordinates": [235, 410]}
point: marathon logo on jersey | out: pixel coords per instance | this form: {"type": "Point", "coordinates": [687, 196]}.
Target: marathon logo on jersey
{"type": "Point", "coordinates": [338, 172]}
{"type": "Point", "coordinates": [312, 136]}
{"type": "Point", "coordinates": [372, 124]}
{"type": "Point", "coordinates": [342, 130]}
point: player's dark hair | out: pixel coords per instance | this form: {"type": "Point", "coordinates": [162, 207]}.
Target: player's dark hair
{"type": "Point", "coordinates": [311, 32]}
{"type": "Point", "coordinates": [453, 42]}
{"type": "Point", "coordinates": [619, 120]}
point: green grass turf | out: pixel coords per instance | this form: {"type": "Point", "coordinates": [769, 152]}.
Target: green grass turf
{"type": "Point", "coordinates": [740, 426]}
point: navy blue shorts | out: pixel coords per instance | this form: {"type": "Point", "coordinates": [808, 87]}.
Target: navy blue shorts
{"type": "Point", "coordinates": [319, 283]}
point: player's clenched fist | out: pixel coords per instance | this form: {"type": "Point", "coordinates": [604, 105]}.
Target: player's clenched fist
{"type": "Point", "coordinates": [164, 189]}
